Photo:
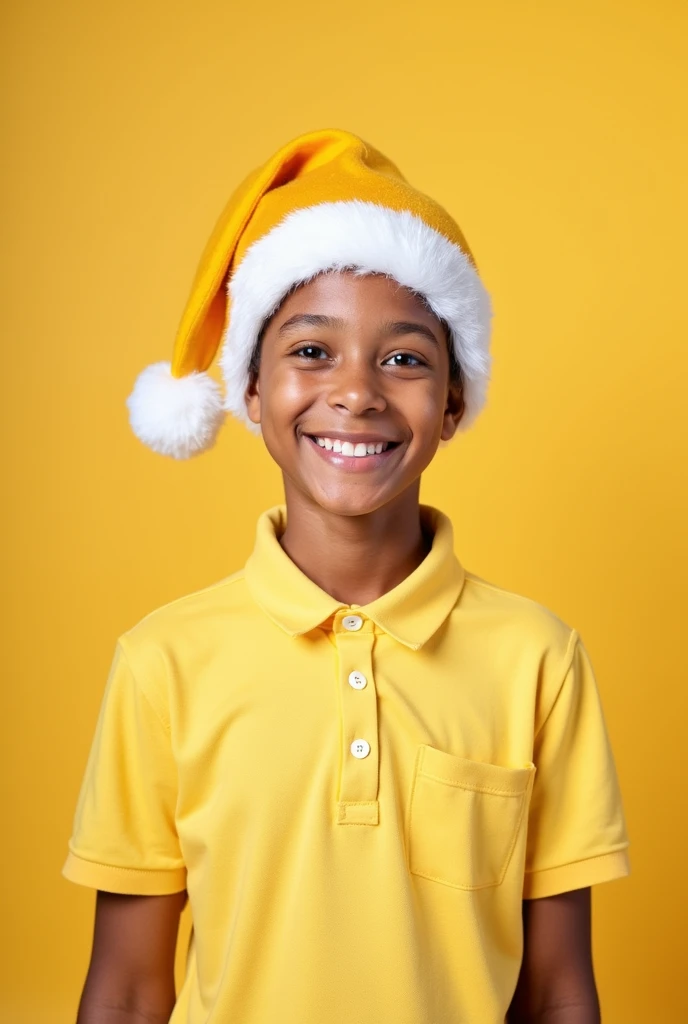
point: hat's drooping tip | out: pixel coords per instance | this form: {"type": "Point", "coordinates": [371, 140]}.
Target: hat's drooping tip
{"type": "Point", "coordinates": [177, 416]}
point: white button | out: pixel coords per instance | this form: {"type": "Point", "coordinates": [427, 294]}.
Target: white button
{"type": "Point", "coordinates": [357, 680]}
{"type": "Point", "coordinates": [352, 622]}
{"type": "Point", "coordinates": [360, 748]}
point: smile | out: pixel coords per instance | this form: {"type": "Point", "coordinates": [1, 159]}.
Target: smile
{"type": "Point", "coordinates": [357, 449]}
{"type": "Point", "coordinates": [366, 452]}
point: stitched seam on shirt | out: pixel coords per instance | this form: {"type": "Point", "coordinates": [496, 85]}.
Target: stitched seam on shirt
{"type": "Point", "coordinates": [149, 702]}
{"type": "Point", "coordinates": [135, 871]}
{"type": "Point", "coordinates": [471, 789]}
{"type": "Point", "coordinates": [456, 885]}
{"type": "Point", "coordinates": [518, 829]}
{"type": "Point", "coordinates": [582, 860]}
{"type": "Point", "coordinates": [568, 661]}
{"type": "Point", "coordinates": [417, 767]}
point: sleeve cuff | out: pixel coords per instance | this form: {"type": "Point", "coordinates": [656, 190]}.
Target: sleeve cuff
{"type": "Point", "coordinates": [128, 881]}
{"type": "Point", "coordinates": [578, 875]}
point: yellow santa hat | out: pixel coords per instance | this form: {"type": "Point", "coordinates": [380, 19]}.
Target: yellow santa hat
{"type": "Point", "coordinates": [325, 201]}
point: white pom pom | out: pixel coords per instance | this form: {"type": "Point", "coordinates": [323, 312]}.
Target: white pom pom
{"type": "Point", "coordinates": [177, 416]}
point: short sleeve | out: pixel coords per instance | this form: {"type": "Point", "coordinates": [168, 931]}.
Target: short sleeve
{"type": "Point", "coordinates": [124, 838]}
{"type": "Point", "coordinates": [576, 828]}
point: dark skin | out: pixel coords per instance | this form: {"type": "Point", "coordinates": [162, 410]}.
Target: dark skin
{"type": "Point", "coordinates": [556, 984]}
{"type": "Point", "coordinates": [359, 359]}
{"type": "Point", "coordinates": [378, 367]}
{"type": "Point", "coordinates": [131, 974]}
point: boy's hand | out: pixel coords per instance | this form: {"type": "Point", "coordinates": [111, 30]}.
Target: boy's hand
{"type": "Point", "coordinates": [131, 975]}
{"type": "Point", "coordinates": [556, 984]}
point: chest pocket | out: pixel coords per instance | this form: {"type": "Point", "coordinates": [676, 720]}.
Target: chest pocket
{"type": "Point", "coordinates": [465, 818]}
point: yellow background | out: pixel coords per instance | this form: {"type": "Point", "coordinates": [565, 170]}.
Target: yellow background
{"type": "Point", "coordinates": [555, 134]}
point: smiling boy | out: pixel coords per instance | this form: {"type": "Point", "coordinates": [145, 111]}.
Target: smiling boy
{"type": "Point", "coordinates": [384, 783]}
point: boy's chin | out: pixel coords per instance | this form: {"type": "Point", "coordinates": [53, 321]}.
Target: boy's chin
{"type": "Point", "coordinates": [354, 501]}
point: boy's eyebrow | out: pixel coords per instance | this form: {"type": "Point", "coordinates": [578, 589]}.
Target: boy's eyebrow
{"type": "Point", "coordinates": [397, 328]}
{"type": "Point", "coordinates": [311, 320]}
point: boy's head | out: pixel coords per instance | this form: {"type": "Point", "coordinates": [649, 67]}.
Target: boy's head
{"type": "Point", "coordinates": [327, 222]}
{"type": "Point", "coordinates": [354, 383]}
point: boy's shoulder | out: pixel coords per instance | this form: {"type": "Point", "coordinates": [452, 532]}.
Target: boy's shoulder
{"type": "Point", "coordinates": [513, 612]}
{"type": "Point", "coordinates": [191, 614]}
{"type": "Point", "coordinates": [500, 596]}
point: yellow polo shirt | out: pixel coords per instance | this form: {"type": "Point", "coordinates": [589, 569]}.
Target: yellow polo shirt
{"type": "Point", "coordinates": [356, 798]}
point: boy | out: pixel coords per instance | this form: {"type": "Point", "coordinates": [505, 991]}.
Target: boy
{"type": "Point", "coordinates": [384, 783]}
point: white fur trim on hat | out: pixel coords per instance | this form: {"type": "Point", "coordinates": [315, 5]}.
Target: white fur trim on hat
{"type": "Point", "coordinates": [371, 239]}
{"type": "Point", "coordinates": [177, 416]}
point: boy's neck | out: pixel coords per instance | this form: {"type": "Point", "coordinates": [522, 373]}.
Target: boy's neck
{"type": "Point", "coordinates": [356, 559]}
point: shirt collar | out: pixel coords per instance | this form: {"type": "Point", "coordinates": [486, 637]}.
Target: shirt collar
{"type": "Point", "coordinates": [411, 613]}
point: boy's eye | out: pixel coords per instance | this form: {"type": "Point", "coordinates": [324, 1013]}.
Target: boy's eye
{"type": "Point", "coordinates": [311, 352]}
{"type": "Point", "coordinates": [403, 359]}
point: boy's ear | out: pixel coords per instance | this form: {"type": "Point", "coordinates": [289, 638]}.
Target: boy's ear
{"type": "Point", "coordinates": [252, 399]}
{"type": "Point", "coordinates": [453, 411]}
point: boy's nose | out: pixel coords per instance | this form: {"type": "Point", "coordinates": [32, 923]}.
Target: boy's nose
{"type": "Point", "coordinates": [356, 390]}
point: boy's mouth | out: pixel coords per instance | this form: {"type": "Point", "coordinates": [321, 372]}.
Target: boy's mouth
{"type": "Point", "coordinates": [358, 449]}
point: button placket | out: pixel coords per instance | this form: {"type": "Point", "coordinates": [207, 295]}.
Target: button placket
{"type": "Point", "coordinates": [358, 792]}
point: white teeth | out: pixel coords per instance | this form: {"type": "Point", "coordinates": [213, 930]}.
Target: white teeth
{"type": "Point", "coordinates": [358, 450]}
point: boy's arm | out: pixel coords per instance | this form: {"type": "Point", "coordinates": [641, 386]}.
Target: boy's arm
{"type": "Point", "coordinates": [556, 984]}
{"type": "Point", "coordinates": [130, 978]}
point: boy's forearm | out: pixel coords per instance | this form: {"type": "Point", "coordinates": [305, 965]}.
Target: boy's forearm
{"type": "Point", "coordinates": [130, 978]}
{"type": "Point", "coordinates": [556, 984]}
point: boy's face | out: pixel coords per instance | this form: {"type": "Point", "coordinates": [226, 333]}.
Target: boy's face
{"type": "Point", "coordinates": [349, 361]}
